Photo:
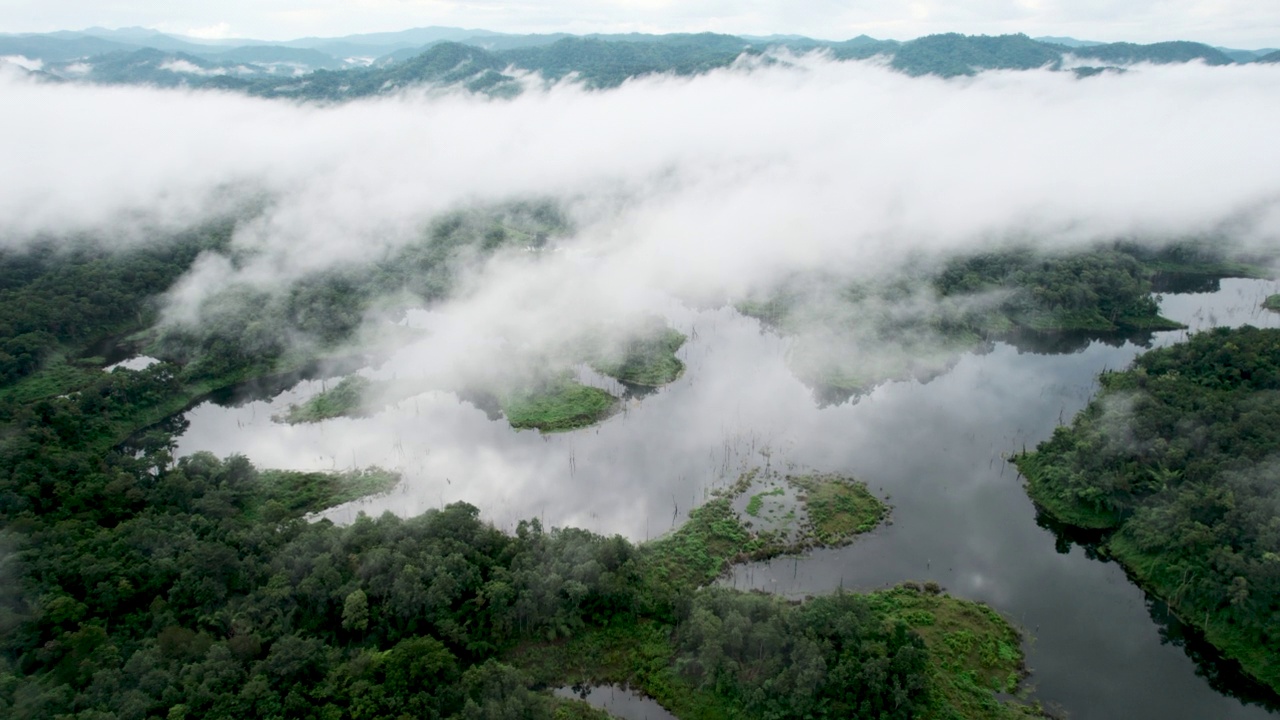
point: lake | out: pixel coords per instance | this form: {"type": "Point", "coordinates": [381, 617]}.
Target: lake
{"type": "Point", "coordinates": [1097, 646]}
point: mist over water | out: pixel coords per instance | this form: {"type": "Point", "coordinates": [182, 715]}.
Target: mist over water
{"type": "Point", "coordinates": [935, 449]}
{"type": "Point", "coordinates": [683, 195]}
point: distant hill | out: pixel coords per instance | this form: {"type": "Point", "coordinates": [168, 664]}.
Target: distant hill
{"type": "Point", "coordinates": [1271, 57]}
{"type": "Point", "coordinates": [481, 61]}
{"type": "Point", "coordinates": [57, 49]}
{"type": "Point", "coordinates": [273, 55]}
{"type": "Point", "coordinates": [1164, 52]}
{"type": "Point", "coordinates": [1066, 41]}
{"type": "Point", "coordinates": [954, 54]}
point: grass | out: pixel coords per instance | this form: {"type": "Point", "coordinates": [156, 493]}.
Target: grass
{"type": "Point", "coordinates": [557, 405]}
{"type": "Point", "coordinates": [973, 652]}
{"type": "Point", "coordinates": [638, 654]}
{"type": "Point", "coordinates": [757, 501]}
{"type": "Point", "coordinates": [838, 507]}
{"type": "Point", "coordinates": [290, 493]}
{"type": "Point", "coordinates": [703, 548]}
{"type": "Point", "coordinates": [574, 709]}
{"type": "Point", "coordinates": [346, 399]}
{"type": "Point", "coordinates": [1272, 302]}
{"type": "Point", "coordinates": [58, 375]}
{"type": "Point", "coordinates": [714, 537]}
{"type": "Point", "coordinates": [649, 360]}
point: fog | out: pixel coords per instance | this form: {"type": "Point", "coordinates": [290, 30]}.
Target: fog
{"type": "Point", "coordinates": [700, 189]}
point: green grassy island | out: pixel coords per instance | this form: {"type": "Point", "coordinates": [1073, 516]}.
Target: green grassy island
{"type": "Point", "coordinates": [557, 404]}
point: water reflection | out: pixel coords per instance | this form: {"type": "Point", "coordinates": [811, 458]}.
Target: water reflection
{"type": "Point", "coordinates": [937, 450]}
{"type": "Point", "coordinates": [618, 701]}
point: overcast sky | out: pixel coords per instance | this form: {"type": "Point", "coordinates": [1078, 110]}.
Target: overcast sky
{"type": "Point", "coordinates": [1232, 23]}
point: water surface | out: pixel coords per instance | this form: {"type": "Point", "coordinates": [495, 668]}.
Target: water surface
{"type": "Point", "coordinates": [937, 450]}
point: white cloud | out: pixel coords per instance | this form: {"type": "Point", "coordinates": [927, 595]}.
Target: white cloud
{"type": "Point", "coordinates": [190, 68]}
{"type": "Point", "coordinates": [22, 61]}
{"type": "Point", "coordinates": [726, 176]}
{"type": "Point", "coordinates": [696, 188]}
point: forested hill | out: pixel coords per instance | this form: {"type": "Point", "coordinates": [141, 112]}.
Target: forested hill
{"type": "Point", "coordinates": [492, 63]}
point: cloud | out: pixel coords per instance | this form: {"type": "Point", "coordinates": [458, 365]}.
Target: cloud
{"type": "Point", "coordinates": [186, 66]}
{"type": "Point", "coordinates": [683, 192]}
{"type": "Point", "coordinates": [708, 185]}
{"type": "Point", "coordinates": [22, 61]}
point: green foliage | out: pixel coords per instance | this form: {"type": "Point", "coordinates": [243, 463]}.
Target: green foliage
{"type": "Point", "coordinates": [734, 654]}
{"type": "Point", "coordinates": [57, 300]}
{"type": "Point", "coordinates": [838, 508]}
{"type": "Point", "coordinates": [346, 399]}
{"type": "Point", "coordinates": [149, 587]}
{"type": "Point", "coordinates": [194, 589]}
{"type": "Point", "coordinates": [1272, 302]}
{"type": "Point", "coordinates": [297, 492]}
{"type": "Point", "coordinates": [1103, 290]}
{"type": "Point", "coordinates": [830, 657]}
{"type": "Point", "coordinates": [1178, 453]}
{"type": "Point", "coordinates": [973, 652]}
{"type": "Point", "coordinates": [556, 405]}
{"type": "Point", "coordinates": [699, 550]}
{"type": "Point", "coordinates": [647, 359]}
{"type": "Point", "coordinates": [757, 501]}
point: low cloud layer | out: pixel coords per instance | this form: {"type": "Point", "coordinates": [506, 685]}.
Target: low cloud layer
{"type": "Point", "coordinates": [700, 189]}
{"type": "Point", "coordinates": [721, 178]}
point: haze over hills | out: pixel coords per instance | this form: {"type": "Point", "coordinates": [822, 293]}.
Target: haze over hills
{"type": "Point", "coordinates": [479, 60]}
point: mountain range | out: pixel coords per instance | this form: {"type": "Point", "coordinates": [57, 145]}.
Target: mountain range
{"type": "Point", "coordinates": [483, 61]}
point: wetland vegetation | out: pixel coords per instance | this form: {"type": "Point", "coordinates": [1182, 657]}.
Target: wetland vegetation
{"type": "Point", "coordinates": [557, 404]}
{"type": "Point", "coordinates": [196, 588]}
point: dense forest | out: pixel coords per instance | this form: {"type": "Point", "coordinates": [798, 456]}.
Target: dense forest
{"type": "Point", "coordinates": [1176, 461]}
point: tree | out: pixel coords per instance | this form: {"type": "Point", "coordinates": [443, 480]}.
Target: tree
{"type": "Point", "coordinates": [355, 612]}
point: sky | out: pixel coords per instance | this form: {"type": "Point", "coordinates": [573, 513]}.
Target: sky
{"type": "Point", "coordinates": [1248, 24]}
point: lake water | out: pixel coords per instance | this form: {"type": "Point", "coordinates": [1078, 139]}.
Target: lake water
{"type": "Point", "coordinates": [620, 702]}
{"type": "Point", "coordinates": [1097, 646]}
